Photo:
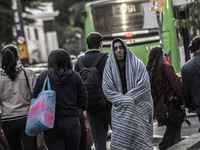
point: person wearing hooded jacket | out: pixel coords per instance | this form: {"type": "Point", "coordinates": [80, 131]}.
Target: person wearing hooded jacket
{"type": "Point", "coordinates": [126, 85]}
{"type": "Point", "coordinates": [71, 95]}
{"type": "Point", "coordinates": [99, 119]}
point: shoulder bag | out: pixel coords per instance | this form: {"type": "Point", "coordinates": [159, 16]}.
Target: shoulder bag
{"type": "Point", "coordinates": [172, 111]}
{"type": "Point", "coordinates": [42, 111]}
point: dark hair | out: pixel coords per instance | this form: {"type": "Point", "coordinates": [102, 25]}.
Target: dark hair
{"type": "Point", "coordinates": [194, 44]}
{"type": "Point", "coordinates": [94, 39]}
{"type": "Point", "coordinates": [118, 40]}
{"type": "Point", "coordinates": [59, 59]}
{"type": "Point", "coordinates": [9, 61]}
{"type": "Point", "coordinates": [153, 66]}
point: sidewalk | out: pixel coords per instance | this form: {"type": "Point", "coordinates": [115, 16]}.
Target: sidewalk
{"type": "Point", "coordinates": [108, 146]}
{"type": "Point", "coordinates": [190, 143]}
{"type": "Point", "coordinates": [188, 132]}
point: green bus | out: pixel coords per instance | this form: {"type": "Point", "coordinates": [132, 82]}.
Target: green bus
{"type": "Point", "coordinates": [132, 21]}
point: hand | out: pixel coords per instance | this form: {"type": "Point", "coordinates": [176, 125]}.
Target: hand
{"type": "Point", "coordinates": [183, 106]}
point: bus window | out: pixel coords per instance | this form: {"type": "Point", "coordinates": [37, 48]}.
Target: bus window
{"type": "Point", "coordinates": [123, 17]}
{"type": "Point", "coordinates": [132, 21]}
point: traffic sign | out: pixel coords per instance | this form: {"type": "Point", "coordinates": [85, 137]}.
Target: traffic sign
{"type": "Point", "coordinates": [23, 53]}
{"type": "Point", "coordinates": [157, 5]}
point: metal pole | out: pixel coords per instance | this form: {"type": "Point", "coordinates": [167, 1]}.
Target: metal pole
{"type": "Point", "coordinates": [160, 28]}
{"type": "Point", "coordinates": [20, 37]}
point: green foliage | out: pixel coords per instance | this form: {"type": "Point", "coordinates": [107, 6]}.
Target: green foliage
{"type": "Point", "coordinates": [63, 6]}
{"type": "Point", "coordinates": [6, 34]}
{"type": "Point", "coordinates": [76, 17]}
{"type": "Point", "coordinates": [70, 38]}
{"type": "Point", "coordinates": [6, 17]}
{"type": "Point", "coordinates": [69, 24]}
{"type": "Point", "coordinates": [192, 19]}
{"type": "Point", "coordinates": [75, 47]}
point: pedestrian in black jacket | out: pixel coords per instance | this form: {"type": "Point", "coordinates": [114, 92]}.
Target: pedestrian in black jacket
{"type": "Point", "coordinates": [71, 95]}
{"type": "Point", "coordinates": [99, 120]}
{"type": "Point", "coordinates": [191, 78]}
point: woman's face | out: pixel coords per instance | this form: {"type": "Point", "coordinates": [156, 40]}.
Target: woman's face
{"type": "Point", "coordinates": [164, 56]}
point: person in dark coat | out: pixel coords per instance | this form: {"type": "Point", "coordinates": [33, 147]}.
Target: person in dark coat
{"type": "Point", "coordinates": [155, 66]}
{"type": "Point", "coordinates": [191, 78]}
{"type": "Point", "coordinates": [99, 120]}
{"type": "Point", "coordinates": [71, 95]}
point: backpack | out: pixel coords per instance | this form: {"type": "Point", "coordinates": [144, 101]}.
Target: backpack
{"type": "Point", "coordinates": [93, 83]}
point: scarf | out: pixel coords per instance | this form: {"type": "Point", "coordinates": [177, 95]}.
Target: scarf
{"type": "Point", "coordinates": [17, 68]}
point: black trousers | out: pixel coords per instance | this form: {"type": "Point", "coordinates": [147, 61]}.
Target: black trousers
{"type": "Point", "coordinates": [14, 131]}
{"type": "Point", "coordinates": [171, 136]}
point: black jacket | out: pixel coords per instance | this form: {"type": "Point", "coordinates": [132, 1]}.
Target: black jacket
{"type": "Point", "coordinates": [70, 91]}
{"type": "Point", "coordinates": [191, 81]}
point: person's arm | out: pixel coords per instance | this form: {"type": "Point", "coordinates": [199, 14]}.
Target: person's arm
{"type": "Point", "coordinates": [82, 94]}
{"type": "Point", "coordinates": [76, 66]}
{"type": "Point", "coordinates": [38, 86]}
{"type": "Point", "coordinates": [175, 83]}
{"type": "Point", "coordinates": [187, 87]}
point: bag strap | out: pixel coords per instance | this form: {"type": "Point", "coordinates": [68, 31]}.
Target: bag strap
{"type": "Point", "coordinates": [81, 64]}
{"type": "Point", "coordinates": [95, 63]}
{"type": "Point", "coordinates": [46, 81]}
{"type": "Point", "coordinates": [164, 85]}
{"type": "Point", "coordinates": [49, 86]}
{"type": "Point", "coordinates": [97, 60]}
{"type": "Point", "coordinates": [27, 82]}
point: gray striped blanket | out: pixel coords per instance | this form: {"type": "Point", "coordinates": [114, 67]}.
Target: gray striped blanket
{"type": "Point", "coordinates": [132, 113]}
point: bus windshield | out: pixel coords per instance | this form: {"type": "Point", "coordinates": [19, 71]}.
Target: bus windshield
{"type": "Point", "coordinates": [123, 17]}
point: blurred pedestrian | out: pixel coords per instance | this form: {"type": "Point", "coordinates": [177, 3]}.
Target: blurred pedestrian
{"type": "Point", "coordinates": [155, 67]}
{"type": "Point", "coordinates": [99, 117]}
{"type": "Point", "coordinates": [15, 99]}
{"type": "Point", "coordinates": [126, 85]}
{"type": "Point", "coordinates": [71, 95]}
{"type": "Point", "coordinates": [191, 78]}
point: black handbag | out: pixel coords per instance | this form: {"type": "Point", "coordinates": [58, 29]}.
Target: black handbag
{"type": "Point", "coordinates": [172, 112]}
{"type": "Point", "coordinates": [175, 113]}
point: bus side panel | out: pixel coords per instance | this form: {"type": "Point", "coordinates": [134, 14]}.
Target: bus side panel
{"type": "Point", "coordinates": [168, 26]}
{"type": "Point", "coordinates": [167, 45]}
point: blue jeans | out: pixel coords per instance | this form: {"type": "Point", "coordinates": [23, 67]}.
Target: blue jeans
{"type": "Point", "coordinates": [65, 135]}
{"type": "Point", "coordinates": [99, 127]}
{"type": "Point", "coordinates": [15, 134]}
